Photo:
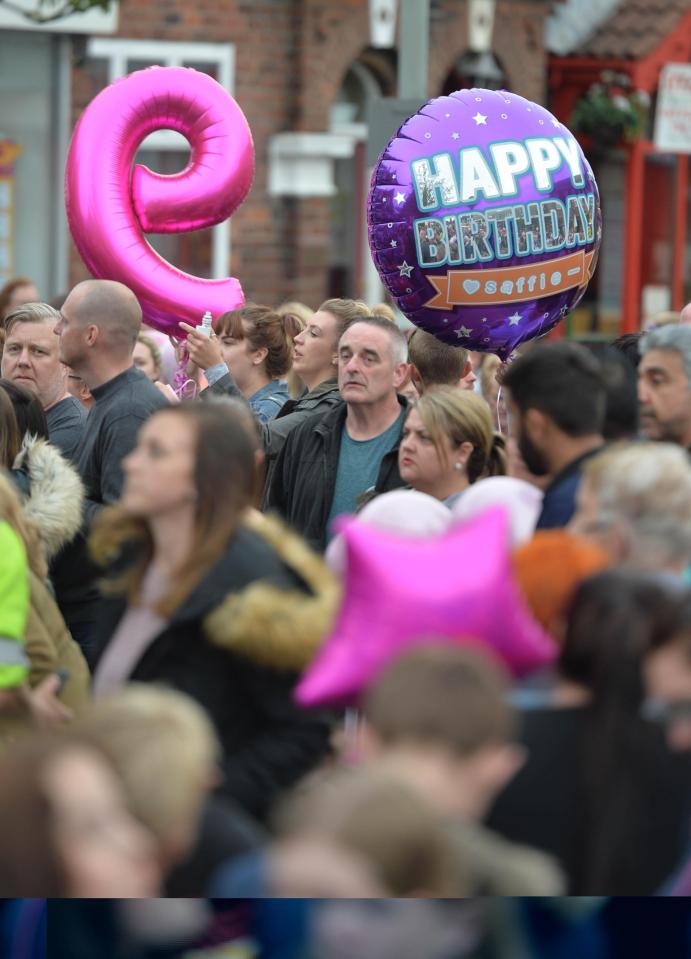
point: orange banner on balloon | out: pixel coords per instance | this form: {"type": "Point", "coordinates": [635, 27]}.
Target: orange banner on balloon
{"type": "Point", "coordinates": [511, 284]}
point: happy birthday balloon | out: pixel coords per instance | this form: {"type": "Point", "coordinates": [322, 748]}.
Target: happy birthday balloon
{"type": "Point", "coordinates": [400, 592]}
{"type": "Point", "coordinates": [484, 220]}
{"type": "Point", "coordinates": [111, 203]}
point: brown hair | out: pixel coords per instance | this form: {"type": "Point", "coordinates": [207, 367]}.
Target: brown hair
{"type": "Point", "coordinates": [30, 864]}
{"type": "Point", "coordinates": [376, 817]}
{"type": "Point", "coordinates": [463, 417]}
{"type": "Point", "coordinates": [7, 291]}
{"type": "Point", "coordinates": [436, 362]}
{"type": "Point", "coordinates": [10, 437]}
{"type": "Point", "coordinates": [264, 329]}
{"type": "Point", "coordinates": [442, 695]}
{"type": "Point", "coordinates": [225, 479]}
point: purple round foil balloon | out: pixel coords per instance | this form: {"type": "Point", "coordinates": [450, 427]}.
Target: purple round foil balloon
{"type": "Point", "coordinates": [484, 220]}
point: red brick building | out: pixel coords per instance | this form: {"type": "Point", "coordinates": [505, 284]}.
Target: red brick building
{"type": "Point", "coordinates": [645, 264]}
{"type": "Point", "coordinates": [303, 72]}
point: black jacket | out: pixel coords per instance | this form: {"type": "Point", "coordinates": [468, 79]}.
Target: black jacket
{"type": "Point", "coordinates": [237, 646]}
{"type": "Point", "coordinates": [304, 480]}
{"type": "Point", "coordinates": [294, 412]}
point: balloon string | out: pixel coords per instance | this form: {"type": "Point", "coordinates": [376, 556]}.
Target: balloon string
{"type": "Point", "coordinates": [183, 386]}
{"type": "Point", "coordinates": [498, 409]}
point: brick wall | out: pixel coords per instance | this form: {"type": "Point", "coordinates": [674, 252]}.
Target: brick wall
{"type": "Point", "coordinates": [291, 58]}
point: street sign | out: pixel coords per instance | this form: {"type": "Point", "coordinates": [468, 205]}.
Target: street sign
{"type": "Point", "coordinates": [673, 113]}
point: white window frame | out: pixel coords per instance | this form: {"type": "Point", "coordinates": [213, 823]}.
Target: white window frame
{"type": "Point", "coordinates": [117, 52]}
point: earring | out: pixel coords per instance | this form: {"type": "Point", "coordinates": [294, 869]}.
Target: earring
{"type": "Point", "coordinates": [458, 466]}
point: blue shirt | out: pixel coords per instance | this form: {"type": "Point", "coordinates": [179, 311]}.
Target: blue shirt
{"type": "Point", "coordinates": [359, 462]}
{"type": "Point", "coordinates": [265, 403]}
{"type": "Point", "coordinates": [268, 401]}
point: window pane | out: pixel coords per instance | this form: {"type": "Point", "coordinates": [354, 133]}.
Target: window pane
{"type": "Point", "coordinates": [208, 67]}
{"type": "Point", "coordinates": [134, 64]}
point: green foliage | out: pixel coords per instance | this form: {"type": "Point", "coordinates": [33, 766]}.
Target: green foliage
{"type": "Point", "coordinates": [45, 11]}
{"type": "Point", "coordinates": [611, 110]}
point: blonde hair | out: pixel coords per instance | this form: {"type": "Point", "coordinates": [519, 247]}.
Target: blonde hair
{"type": "Point", "coordinates": [647, 488]}
{"type": "Point", "coordinates": [152, 347]}
{"type": "Point", "coordinates": [383, 309]}
{"type": "Point", "coordinates": [11, 512]}
{"type": "Point", "coordinates": [488, 374]}
{"type": "Point", "coordinates": [164, 749]}
{"type": "Point", "coordinates": [381, 820]}
{"type": "Point", "coordinates": [463, 417]}
{"type": "Point", "coordinates": [346, 312]}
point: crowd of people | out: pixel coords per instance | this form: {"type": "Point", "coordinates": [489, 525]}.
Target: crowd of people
{"type": "Point", "coordinates": [175, 558]}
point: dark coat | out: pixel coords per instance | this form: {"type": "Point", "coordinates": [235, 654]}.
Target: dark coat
{"type": "Point", "coordinates": [294, 412]}
{"type": "Point", "coordinates": [237, 646]}
{"type": "Point", "coordinates": [304, 480]}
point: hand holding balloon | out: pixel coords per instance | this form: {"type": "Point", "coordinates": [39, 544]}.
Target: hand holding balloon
{"type": "Point", "coordinates": [203, 350]}
{"type": "Point", "coordinates": [108, 216]}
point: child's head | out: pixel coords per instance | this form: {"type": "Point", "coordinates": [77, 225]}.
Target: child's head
{"type": "Point", "coordinates": [443, 712]}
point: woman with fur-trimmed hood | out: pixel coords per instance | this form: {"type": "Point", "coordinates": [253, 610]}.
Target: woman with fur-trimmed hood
{"type": "Point", "coordinates": [51, 489]}
{"type": "Point", "coordinates": [212, 599]}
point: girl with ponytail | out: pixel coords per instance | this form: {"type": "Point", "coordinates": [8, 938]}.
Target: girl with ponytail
{"type": "Point", "coordinates": [254, 344]}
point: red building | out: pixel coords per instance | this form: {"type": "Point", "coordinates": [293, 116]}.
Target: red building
{"type": "Point", "coordinates": [303, 71]}
{"type": "Point", "coordinates": [645, 265]}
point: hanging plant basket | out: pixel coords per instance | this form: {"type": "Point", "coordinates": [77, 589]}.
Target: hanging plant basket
{"type": "Point", "coordinates": [611, 111]}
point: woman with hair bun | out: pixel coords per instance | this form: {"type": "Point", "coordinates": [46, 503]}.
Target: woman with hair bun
{"type": "Point", "coordinates": [256, 348]}
{"type": "Point", "coordinates": [448, 444]}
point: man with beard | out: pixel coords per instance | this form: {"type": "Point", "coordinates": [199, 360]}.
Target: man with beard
{"type": "Point", "coordinates": [664, 385]}
{"type": "Point", "coordinates": [556, 410]}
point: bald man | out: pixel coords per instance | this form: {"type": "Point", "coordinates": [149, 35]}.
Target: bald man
{"type": "Point", "coordinates": [98, 327]}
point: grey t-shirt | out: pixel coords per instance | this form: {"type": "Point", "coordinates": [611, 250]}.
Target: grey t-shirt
{"type": "Point", "coordinates": [66, 426]}
{"type": "Point", "coordinates": [358, 468]}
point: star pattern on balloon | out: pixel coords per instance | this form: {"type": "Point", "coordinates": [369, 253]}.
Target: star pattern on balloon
{"type": "Point", "coordinates": [463, 331]}
{"type": "Point", "coordinates": [393, 243]}
{"type": "Point", "coordinates": [400, 197]}
{"type": "Point", "coordinates": [400, 592]}
{"type": "Point", "coordinates": [405, 269]}
{"type": "Point", "coordinates": [514, 319]}
{"type": "Point", "coordinates": [455, 136]}
{"type": "Point", "coordinates": [480, 119]}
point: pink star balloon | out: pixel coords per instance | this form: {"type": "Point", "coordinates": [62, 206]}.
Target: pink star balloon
{"type": "Point", "coordinates": [400, 592]}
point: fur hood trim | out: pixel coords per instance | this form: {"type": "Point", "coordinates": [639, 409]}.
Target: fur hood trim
{"type": "Point", "coordinates": [56, 496]}
{"type": "Point", "coordinates": [276, 627]}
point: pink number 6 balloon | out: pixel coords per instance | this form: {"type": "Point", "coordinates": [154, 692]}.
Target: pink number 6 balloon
{"type": "Point", "coordinates": [110, 205]}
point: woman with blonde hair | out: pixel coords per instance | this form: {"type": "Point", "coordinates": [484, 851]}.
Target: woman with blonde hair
{"type": "Point", "coordinates": [296, 316]}
{"type": "Point", "coordinates": [448, 444]}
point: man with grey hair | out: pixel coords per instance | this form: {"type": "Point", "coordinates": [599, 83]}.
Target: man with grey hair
{"type": "Point", "coordinates": [328, 462]}
{"type": "Point", "coordinates": [664, 384]}
{"type": "Point", "coordinates": [31, 359]}
{"type": "Point", "coordinates": [635, 503]}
